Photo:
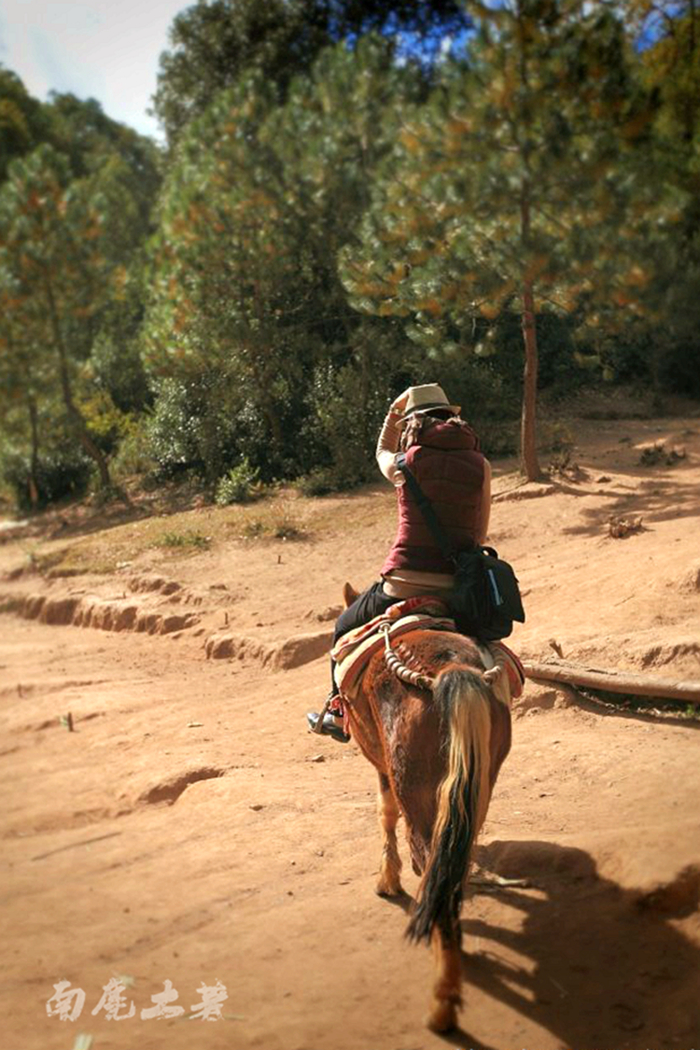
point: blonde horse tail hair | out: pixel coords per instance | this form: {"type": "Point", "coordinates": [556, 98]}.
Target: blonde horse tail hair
{"type": "Point", "coordinates": [462, 698]}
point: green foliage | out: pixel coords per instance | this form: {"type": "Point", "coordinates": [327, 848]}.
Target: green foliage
{"type": "Point", "coordinates": [239, 485]}
{"type": "Point", "coordinates": [52, 276]}
{"type": "Point", "coordinates": [117, 369]}
{"type": "Point", "coordinates": [115, 359]}
{"type": "Point", "coordinates": [191, 429]}
{"type": "Point", "coordinates": [22, 121]}
{"type": "Point", "coordinates": [191, 538]}
{"type": "Point", "coordinates": [215, 45]}
{"type": "Point", "coordinates": [668, 33]}
{"type": "Point", "coordinates": [74, 206]}
{"type": "Point", "coordinates": [133, 456]}
{"type": "Point", "coordinates": [61, 267]}
{"type": "Point", "coordinates": [254, 210]}
{"type": "Point", "coordinates": [93, 143]}
{"type": "Point", "coordinates": [61, 473]}
{"type": "Point", "coordinates": [510, 188]}
{"type": "Point", "coordinates": [346, 404]}
{"type": "Point", "coordinates": [319, 482]}
{"type": "Point", "coordinates": [546, 164]}
{"type": "Point", "coordinates": [106, 424]}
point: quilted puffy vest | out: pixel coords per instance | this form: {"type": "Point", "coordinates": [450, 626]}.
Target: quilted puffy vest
{"type": "Point", "coordinates": [450, 470]}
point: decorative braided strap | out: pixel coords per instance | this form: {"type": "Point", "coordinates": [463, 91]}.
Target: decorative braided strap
{"type": "Point", "coordinates": [399, 668]}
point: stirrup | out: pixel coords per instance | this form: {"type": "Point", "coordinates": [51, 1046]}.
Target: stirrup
{"type": "Point", "coordinates": [318, 728]}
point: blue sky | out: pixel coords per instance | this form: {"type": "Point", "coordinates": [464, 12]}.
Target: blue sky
{"type": "Point", "coordinates": [104, 49]}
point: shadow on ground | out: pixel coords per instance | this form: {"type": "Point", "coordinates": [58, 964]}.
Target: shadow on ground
{"type": "Point", "coordinates": [655, 499]}
{"type": "Point", "coordinates": [595, 964]}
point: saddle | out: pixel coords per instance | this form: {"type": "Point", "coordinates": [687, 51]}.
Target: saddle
{"type": "Point", "coordinates": [353, 651]}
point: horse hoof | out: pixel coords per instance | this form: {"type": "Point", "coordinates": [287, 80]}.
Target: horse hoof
{"type": "Point", "coordinates": [442, 1017]}
{"type": "Point", "coordinates": [388, 889]}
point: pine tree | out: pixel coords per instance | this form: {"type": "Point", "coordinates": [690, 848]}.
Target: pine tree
{"type": "Point", "coordinates": [506, 188]}
{"type": "Point", "coordinates": [54, 275]}
{"type": "Point", "coordinates": [216, 43]}
{"type": "Point", "coordinates": [256, 207]}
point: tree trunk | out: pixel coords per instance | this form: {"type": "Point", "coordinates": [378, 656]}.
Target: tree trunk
{"type": "Point", "coordinates": [528, 430]}
{"type": "Point", "coordinates": [614, 681]}
{"type": "Point", "coordinates": [275, 425]}
{"type": "Point", "coordinates": [74, 414]}
{"type": "Point", "coordinates": [263, 380]}
{"type": "Point", "coordinates": [367, 436]}
{"type": "Point", "coordinates": [691, 103]}
{"type": "Point", "coordinates": [34, 462]}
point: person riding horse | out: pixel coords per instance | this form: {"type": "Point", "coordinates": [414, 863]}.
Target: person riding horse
{"type": "Point", "coordinates": [443, 453]}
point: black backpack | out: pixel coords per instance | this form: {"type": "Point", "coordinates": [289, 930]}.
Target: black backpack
{"type": "Point", "coordinates": [486, 598]}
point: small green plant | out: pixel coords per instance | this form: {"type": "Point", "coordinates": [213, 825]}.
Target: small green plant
{"type": "Point", "coordinates": [657, 706]}
{"type": "Point", "coordinates": [184, 539]}
{"type": "Point", "coordinates": [276, 525]}
{"type": "Point", "coordinates": [240, 485]}
{"type": "Point", "coordinates": [252, 530]}
{"type": "Point", "coordinates": [560, 462]}
{"type": "Point", "coordinates": [287, 529]}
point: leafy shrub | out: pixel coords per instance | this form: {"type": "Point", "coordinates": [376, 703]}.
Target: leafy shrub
{"type": "Point", "coordinates": [133, 455]}
{"type": "Point", "coordinates": [61, 474]}
{"type": "Point", "coordinates": [107, 424]}
{"type": "Point", "coordinates": [318, 483]}
{"type": "Point", "coordinates": [191, 428]}
{"type": "Point", "coordinates": [240, 485]}
{"type": "Point", "coordinates": [323, 481]}
{"type": "Point", "coordinates": [347, 407]}
{"type": "Point", "coordinates": [118, 370]}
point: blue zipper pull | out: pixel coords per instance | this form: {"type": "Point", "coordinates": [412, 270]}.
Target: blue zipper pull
{"type": "Point", "coordinates": [497, 596]}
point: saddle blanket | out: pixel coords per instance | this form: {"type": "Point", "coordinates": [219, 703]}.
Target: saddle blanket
{"type": "Point", "coordinates": [353, 651]}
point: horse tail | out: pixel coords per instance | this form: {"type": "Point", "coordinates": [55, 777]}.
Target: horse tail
{"type": "Point", "coordinates": [462, 698]}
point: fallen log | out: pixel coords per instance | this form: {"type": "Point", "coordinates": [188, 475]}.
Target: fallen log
{"type": "Point", "coordinates": [614, 681]}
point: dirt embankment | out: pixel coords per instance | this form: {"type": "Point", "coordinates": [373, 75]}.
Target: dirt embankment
{"type": "Point", "coordinates": [167, 817]}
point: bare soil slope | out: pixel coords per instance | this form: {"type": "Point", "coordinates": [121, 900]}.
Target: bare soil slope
{"type": "Point", "coordinates": [190, 830]}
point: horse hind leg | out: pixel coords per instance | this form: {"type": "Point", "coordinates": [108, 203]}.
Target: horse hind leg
{"type": "Point", "coordinates": [447, 990]}
{"type": "Point", "coordinates": [389, 882]}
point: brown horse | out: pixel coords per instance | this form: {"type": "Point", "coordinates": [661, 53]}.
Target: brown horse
{"type": "Point", "coordinates": [437, 752]}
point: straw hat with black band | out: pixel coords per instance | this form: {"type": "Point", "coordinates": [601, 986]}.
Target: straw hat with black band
{"type": "Point", "coordinates": [426, 397]}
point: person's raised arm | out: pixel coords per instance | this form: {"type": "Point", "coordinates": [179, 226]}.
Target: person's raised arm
{"type": "Point", "coordinates": [388, 443]}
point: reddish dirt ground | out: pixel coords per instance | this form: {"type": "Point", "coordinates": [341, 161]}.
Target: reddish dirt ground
{"type": "Point", "coordinates": [190, 830]}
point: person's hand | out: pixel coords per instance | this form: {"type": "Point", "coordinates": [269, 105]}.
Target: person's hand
{"type": "Point", "coordinates": [398, 405]}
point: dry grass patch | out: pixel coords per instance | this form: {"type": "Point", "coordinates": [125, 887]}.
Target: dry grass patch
{"type": "Point", "coordinates": [285, 517]}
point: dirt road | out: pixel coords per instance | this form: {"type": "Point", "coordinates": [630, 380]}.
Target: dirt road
{"type": "Point", "coordinates": [189, 830]}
